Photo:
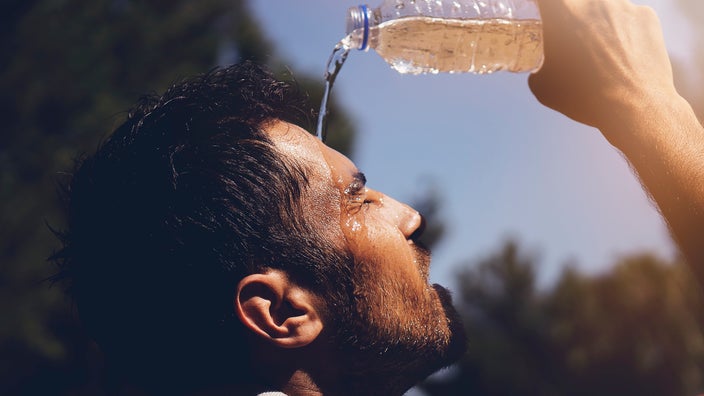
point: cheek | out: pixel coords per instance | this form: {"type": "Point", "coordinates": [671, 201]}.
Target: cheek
{"type": "Point", "coordinates": [382, 250]}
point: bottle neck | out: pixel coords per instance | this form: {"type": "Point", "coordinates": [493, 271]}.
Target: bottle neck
{"type": "Point", "coordinates": [358, 21]}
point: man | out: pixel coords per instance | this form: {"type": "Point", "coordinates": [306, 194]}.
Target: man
{"type": "Point", "coordinates": [214, 248]}
{"type": "Point", "coordinates": [212, 244]}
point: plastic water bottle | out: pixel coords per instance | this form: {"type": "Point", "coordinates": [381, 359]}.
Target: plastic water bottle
{"type": "Point", "coordinates": [453, 36]}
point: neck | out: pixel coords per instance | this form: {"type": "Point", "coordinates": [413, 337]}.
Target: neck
{"type": "Point", "coordinates": [301, 384]}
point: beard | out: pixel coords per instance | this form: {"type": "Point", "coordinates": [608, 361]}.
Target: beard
{"type": "Point", "coordinates": [393, 336]}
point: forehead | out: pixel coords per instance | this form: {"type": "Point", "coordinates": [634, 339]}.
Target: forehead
{"type": "Point", "coordinates": [321, 161]}
{"type": "Point", "coordinates": [328, 172]}
{"type": "Point", "coordinates": [296, 144]}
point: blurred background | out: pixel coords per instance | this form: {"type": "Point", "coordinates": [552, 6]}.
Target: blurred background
{"type": "Point", "coordinates": [559, 263]}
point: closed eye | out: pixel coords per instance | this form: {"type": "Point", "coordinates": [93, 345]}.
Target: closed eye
{"type": "Point", "coordinates": [356, 192]}
{"type": "Point", "coordinates": [357, 185]}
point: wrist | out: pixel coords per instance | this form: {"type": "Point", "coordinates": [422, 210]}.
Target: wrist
{"type": "Point", "coordinates": [643, 119]}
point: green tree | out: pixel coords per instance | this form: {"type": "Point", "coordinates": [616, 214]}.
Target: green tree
{"type": "Point", "coordinates": [634, 330]}
{"type": "Point", "coordinates": [69, 70]}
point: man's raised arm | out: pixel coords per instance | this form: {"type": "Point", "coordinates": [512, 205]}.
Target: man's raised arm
{"type": "Point", "coordinates": [606, 66]}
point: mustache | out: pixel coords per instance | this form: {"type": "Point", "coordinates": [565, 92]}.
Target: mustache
{"type": "Point", "coordinates": [422, 255]}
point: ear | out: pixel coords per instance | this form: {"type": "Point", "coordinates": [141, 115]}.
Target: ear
{"type": "Point", "coordinates": [278, 310]}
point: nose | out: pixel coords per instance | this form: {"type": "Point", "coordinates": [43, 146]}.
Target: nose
{"type": "Point", "coordinates": [410, 221]}
{"type": "Point", "coordinates": [404, 217]}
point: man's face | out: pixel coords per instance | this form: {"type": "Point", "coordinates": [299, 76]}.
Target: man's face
{"type": "Point", "coordinates": [402, 324]}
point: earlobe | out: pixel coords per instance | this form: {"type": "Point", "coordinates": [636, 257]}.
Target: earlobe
{"type": "Point", "coordinates": [278, 310]}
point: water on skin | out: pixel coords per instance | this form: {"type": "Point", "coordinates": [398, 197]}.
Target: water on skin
{"type": "Point", "coordinates": [335, 62]}
{"type": "Point", "coordinates": [352, 222]}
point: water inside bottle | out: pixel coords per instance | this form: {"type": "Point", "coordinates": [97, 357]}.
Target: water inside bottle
{"type": "Point", "coordinates": [417, 45]}
{"type": "Point", "coordinates": [335, 62]}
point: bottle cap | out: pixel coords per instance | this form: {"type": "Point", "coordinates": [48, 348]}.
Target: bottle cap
{"type": "Point", "coordinates": [358, 20]}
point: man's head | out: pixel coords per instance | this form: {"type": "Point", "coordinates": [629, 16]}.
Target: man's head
{"type": "Point", "coordinates": [209, 241]}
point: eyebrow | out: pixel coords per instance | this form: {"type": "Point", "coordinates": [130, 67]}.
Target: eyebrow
{"type": "Point", "coordinates": [357, 184]}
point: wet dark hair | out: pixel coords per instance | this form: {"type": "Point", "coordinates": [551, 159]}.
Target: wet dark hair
{"type": "Point", "coordinates": [180, 202]}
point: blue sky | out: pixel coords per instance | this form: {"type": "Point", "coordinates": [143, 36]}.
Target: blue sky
{"type": "Point", "coordinates": [504, 165]}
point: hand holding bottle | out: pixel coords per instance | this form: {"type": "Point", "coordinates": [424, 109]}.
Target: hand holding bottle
{"type": "Point", "coordinates": [600, 57]}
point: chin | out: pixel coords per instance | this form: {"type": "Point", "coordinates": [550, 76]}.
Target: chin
{"type": "Point", "coordinates": [391, 358]}
{"type": "Point", "coordinates": [457, 344]}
